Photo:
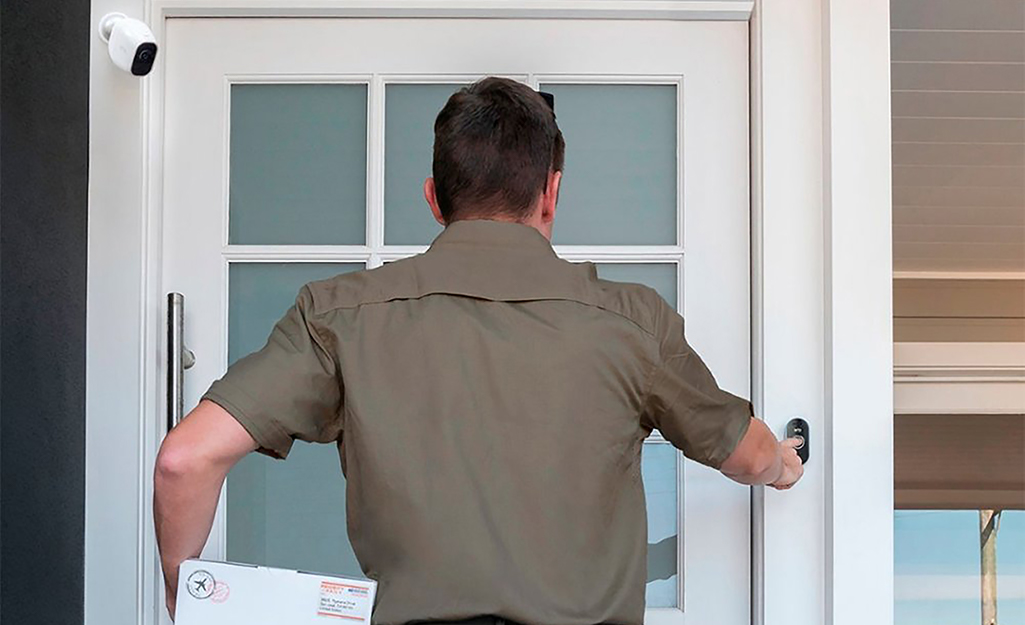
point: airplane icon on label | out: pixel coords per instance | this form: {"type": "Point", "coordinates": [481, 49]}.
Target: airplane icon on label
{"type": "Point", "coordinates": [200, 584]}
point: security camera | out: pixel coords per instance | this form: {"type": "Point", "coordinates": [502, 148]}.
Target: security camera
{"type": "Point", "coordinates": [130, 43]}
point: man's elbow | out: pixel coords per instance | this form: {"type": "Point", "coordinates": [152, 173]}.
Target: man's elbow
{"type": "Point", "coordinates": [203, 447]}
{"type": "Point", "coordinates": [174, 461]}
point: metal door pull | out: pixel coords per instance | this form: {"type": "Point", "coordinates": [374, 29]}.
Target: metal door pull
{"type": "Point", "coordinates": [179, 358]}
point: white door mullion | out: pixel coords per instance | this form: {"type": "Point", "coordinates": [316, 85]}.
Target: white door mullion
{"type": "Point", "coordinates": [297, 253]}
{"type": "Point", "coordinates": [573, 253]}
{"type": "Point", "coordinates": [681, 282]}
{"type": "Point", "coordinates": [375, 169]}
{"type": "Point", "coordinates": [681, 169]}
{"type": "Point", "coordinates": [398, 252]}
{"type": "Point", "coordinates": [614, 253]}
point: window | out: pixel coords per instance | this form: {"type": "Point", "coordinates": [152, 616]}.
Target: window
{"type": "Point", "coordinates": [326, 178]}
{"type": "Point", "coordinates": [959, 526]}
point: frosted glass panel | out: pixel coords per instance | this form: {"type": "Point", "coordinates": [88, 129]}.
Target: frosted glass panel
{"type": "Point", "coordinates": [619, 184]}
{"type": "Point", "coordinates": [298, 164]}
{"type": "Point", "coordinates": [288, 514]}
{"type": "Point", "coordinates": [659, 276]}
{"type": "Point", "coordinates": [408, 147]}
{"type": "Point", "coordinates": [658, 470]}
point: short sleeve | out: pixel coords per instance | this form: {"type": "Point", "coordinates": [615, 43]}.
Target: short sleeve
{"type": "Point", "coordinates": [291, 389]}
{"type": "Point", "coordinates": [685, 403]}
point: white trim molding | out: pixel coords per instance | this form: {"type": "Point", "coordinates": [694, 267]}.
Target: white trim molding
{"type": "Point", "coordinates": [859, 313]}
{"type": "Point", "coordinates": [959, 378]}
{"type": "Point", "coordinates": [822, 301]}
{"type": "Point", "coordinates": [787, 295]}
{"type": "Point", "coordinates": [721, 10]}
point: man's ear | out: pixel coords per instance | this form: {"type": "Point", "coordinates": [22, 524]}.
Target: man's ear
{"type": "Point", "coordinates": [550, 197]}
{"type": "Point", "coordinates": [431, 195]}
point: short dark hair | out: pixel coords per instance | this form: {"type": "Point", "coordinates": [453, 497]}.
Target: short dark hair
{"type": "Point", "coordinates": [495, 142]}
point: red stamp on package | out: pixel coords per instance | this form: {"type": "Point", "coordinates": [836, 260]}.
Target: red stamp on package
{"type": "Point", "coordinates": [221, 592]}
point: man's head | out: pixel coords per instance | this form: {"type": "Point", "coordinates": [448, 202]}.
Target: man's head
{"type": "Point", "coordinates": [498, 154]}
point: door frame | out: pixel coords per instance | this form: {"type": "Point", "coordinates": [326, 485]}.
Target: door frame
{"type": "Point", "coordinates": [821, 290]}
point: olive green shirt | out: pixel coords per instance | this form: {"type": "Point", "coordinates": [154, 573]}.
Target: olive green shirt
{"type": "Point", "coordinates": [489, 401]}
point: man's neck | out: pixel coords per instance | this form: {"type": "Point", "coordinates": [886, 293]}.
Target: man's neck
{"type": "Point", "coordinates": [533, 221]}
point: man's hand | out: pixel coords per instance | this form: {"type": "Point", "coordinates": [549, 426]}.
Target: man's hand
{"type": "Point", "coordinates": [194, 459]}
{"type": "Point", "coordinates": [760, 459]}
{"type": "Point", "coordinates": [792, 467]}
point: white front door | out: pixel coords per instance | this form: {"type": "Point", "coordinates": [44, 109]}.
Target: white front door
{"type": "Point", "coordinates": [295, 149]}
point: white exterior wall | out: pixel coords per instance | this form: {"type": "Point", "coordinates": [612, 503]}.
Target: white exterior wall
{"type": "Point", "coordinates": [113, 501]}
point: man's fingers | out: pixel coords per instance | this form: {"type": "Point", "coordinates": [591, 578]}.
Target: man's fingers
{"type": "Point", "coordinates": [792, 443]}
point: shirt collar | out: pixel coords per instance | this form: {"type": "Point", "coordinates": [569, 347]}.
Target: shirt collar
{"type": "Point", "coordinates": [486, 233]}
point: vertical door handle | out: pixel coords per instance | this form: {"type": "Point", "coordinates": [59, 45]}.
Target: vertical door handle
{"type": "Point", "coordinates": [179, 358]}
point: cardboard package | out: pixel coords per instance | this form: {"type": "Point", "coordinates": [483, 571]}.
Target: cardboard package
{"type": "Point", "coordinates": [223, 593]}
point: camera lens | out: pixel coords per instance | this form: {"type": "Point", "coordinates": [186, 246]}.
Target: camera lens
{"type": "Point", "coordinates": [144, 57]}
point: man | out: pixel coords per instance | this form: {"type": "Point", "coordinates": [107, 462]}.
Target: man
{"type": "Point", "coordinates": [489, 401]}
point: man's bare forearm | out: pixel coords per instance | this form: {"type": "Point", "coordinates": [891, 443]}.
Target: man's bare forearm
{"type": "Point", "coordinates": [193, 462]}
{"type": "Point", "coordinates": [184, 504]}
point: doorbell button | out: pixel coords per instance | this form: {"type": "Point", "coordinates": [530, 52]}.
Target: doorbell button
{"type": "Point", "coordinates": [798, 428]}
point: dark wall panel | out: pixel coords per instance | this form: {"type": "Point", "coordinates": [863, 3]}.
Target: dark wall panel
{"type": "Point", "coordinates": [44, 117]}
